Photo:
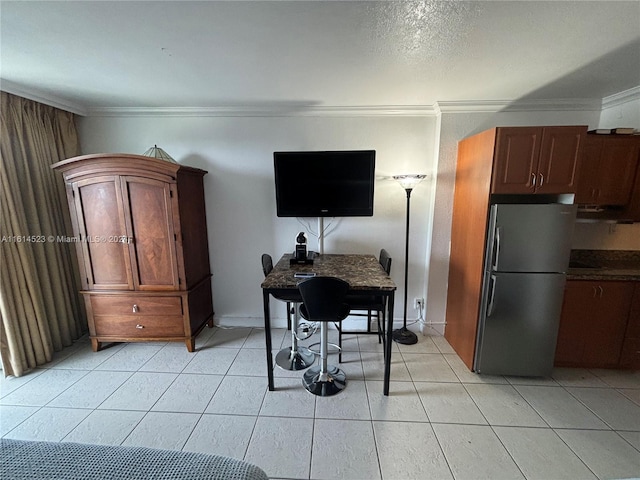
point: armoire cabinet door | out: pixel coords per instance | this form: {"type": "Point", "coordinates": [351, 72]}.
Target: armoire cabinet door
{"type": "Point", "coordinates": [101, 224]}
{"type": "Point", "coordinates": [149, 217]}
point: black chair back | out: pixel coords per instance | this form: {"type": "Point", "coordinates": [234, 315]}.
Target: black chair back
{"type": "Point", "coordinates": [267, 264]}
{"type": "Point", "coordinates": [323, 298]}
{"type": "Point", "coordinates": [385, 261]}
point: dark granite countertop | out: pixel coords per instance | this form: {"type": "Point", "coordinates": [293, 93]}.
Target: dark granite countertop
{"type": "Point", "coordinates": [604, 265]}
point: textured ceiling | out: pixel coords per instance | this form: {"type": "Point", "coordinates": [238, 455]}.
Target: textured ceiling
{"type": "Point", "coordinates": [311, 53]}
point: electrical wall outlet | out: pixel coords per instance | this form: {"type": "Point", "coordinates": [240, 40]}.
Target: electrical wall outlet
{"type": "Point", "coordinates": [418, 303]}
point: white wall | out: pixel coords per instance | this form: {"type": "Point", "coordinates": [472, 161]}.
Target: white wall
{"type": "Point", "coordinates": [606, 236]}
{"type": "Point", "coordinates": [237, 152]}
{"type": "Point", "coordinates": [623, 115]}
{"type": "Point", "coordinates": [242, 224]}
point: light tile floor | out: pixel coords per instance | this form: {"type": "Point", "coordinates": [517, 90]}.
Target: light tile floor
{"type": "Point", "coordinates": [440, 421]}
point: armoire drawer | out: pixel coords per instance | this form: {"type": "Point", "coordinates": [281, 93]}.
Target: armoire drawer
{"type": "Point", "coordinates": [139, 326]}
{"type": "Point", "coordinates": [136, 305]}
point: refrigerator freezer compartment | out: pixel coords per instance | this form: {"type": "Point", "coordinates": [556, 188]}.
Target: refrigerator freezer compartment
{"type": "Point", "coordinates": [530, 238]}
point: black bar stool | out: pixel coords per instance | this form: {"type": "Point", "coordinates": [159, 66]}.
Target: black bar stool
{"type": "Point", "coordinates": [324, 301]}
{"type": "Point", "coordinates": [293, 357]}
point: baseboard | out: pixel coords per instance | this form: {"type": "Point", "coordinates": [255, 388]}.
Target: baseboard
{"type": "Point", "coordinates": [281, 322]}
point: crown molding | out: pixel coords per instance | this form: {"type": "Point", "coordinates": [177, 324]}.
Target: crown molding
{"type": "Point", "coordinates": [533, 105]}
{"type": "Point", "coordinates": [274, 110]}
{"type": "Point", "coordinates": [42, 97]}
{"type": "Point", "coordinates": [621, 98]}
{"type": "Point", "coordinates": [310, 110]}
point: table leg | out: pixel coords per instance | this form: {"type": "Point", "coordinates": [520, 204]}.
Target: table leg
{"type": "Point", "coordinates": [267, 336]}
{"type": "Point", "coordinates": [387, 345]}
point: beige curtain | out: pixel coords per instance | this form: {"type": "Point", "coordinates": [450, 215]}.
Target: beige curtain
{"type": "Point", "coordinates": [39, 304]}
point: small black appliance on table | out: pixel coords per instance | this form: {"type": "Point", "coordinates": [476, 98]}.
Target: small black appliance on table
{"type": "Point", "coordinates": [364, 274]}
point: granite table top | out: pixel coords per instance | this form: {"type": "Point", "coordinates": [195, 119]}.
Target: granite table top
{"type": "Point", "coordinates": [363, 272]}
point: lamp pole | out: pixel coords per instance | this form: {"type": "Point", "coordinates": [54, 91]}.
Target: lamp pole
{"type": "Point", "coordinates": [403, 335]}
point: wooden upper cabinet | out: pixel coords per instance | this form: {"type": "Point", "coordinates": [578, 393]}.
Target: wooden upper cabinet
{"type": "Point", "coordinates": [559, 163]}
{"type": "Point", "coordinates": [516, 159]}
{"type": "Point", "coordinates": [537, 159]}
{"type": "Point", "coordinates": [608, 170]}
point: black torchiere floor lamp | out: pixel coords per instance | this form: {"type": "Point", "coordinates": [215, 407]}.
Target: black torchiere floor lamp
{"type": "Point", "coordinates": [402, 335]}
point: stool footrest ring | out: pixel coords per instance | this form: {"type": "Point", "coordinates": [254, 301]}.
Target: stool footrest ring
{"type": "Point", "coordinates": [317, 352]}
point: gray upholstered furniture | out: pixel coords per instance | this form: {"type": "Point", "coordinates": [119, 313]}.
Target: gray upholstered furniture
{"type": "Point", "coordinates": [73, 461]}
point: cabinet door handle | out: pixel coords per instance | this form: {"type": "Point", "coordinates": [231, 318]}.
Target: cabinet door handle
{"type": "Point", "coordinates": [533, 180]}
{"type": "Point", "coordinates": [601, 290]}
{"type": "Point", "coordinates": [595, 292]}
{"type": "Point", "coordinates": [541, 180]}
{"type": "Point", "coordinates": [140, 327]}
{"type": "Point", "coordinates": [135, 308]}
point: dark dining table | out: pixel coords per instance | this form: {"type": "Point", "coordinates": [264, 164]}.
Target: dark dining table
{"type": "Point", "coordinates": [364, 274]}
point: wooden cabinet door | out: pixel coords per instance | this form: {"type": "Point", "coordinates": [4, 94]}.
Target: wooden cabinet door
{"type": "Point", "coordinates": [618, 162]}
{"type": "Point", "coordinates": [149, 216]}
{"type": "Point", "coordinates": [630, 357]}
{"type": "Point", "coordinates": [576, 309]}
{"type": "Point", "coordinates": [517, 150]}
{"type": "Point", "coordinates": [588, 182]}
{"type": "Point", "coordinates": [101, 225]}
{"type": "Point", "coordinates": [608, 170]}
{"type": "Point", "coordinates": [593, 323]}
{"type": "Point", "coordinates": [607, 325]}
{"type": "Point", "coordinates": [559, 159]}
{"type": "Point", "coordinates": [633, 327]}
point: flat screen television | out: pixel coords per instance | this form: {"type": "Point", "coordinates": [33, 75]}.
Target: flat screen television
{"type": "Point", "coordinates": [324, 184]}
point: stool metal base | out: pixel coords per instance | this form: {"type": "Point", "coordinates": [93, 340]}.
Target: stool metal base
{"type": "Point", "coordinates": [301, 358]}
{"type": "Point", "coordinates": [324, 384]}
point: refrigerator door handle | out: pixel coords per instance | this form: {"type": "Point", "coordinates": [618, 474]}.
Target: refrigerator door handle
{"type": "Point", "coordinates": [496, 252]}
{"type": "Point", "coordinates": [492, 296]}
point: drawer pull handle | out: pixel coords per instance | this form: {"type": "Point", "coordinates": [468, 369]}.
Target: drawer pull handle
{"type": "Point", "coordinates": [140, 326]}
{"type": "Point", "coordinates": [135, 308]}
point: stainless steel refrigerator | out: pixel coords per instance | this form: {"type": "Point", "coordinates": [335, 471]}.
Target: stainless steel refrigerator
{"type": "Point", "coordinates": [527, 255]}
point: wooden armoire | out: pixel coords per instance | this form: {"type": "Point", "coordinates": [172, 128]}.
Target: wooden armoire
{"type": "Point", "coordinates": [140, 230]}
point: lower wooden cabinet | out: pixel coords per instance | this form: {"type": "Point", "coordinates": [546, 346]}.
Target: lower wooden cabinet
{"type": "Point", "coordinates": [630, 357]}
{"type": "Point", "coordinates": [593, 324]}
